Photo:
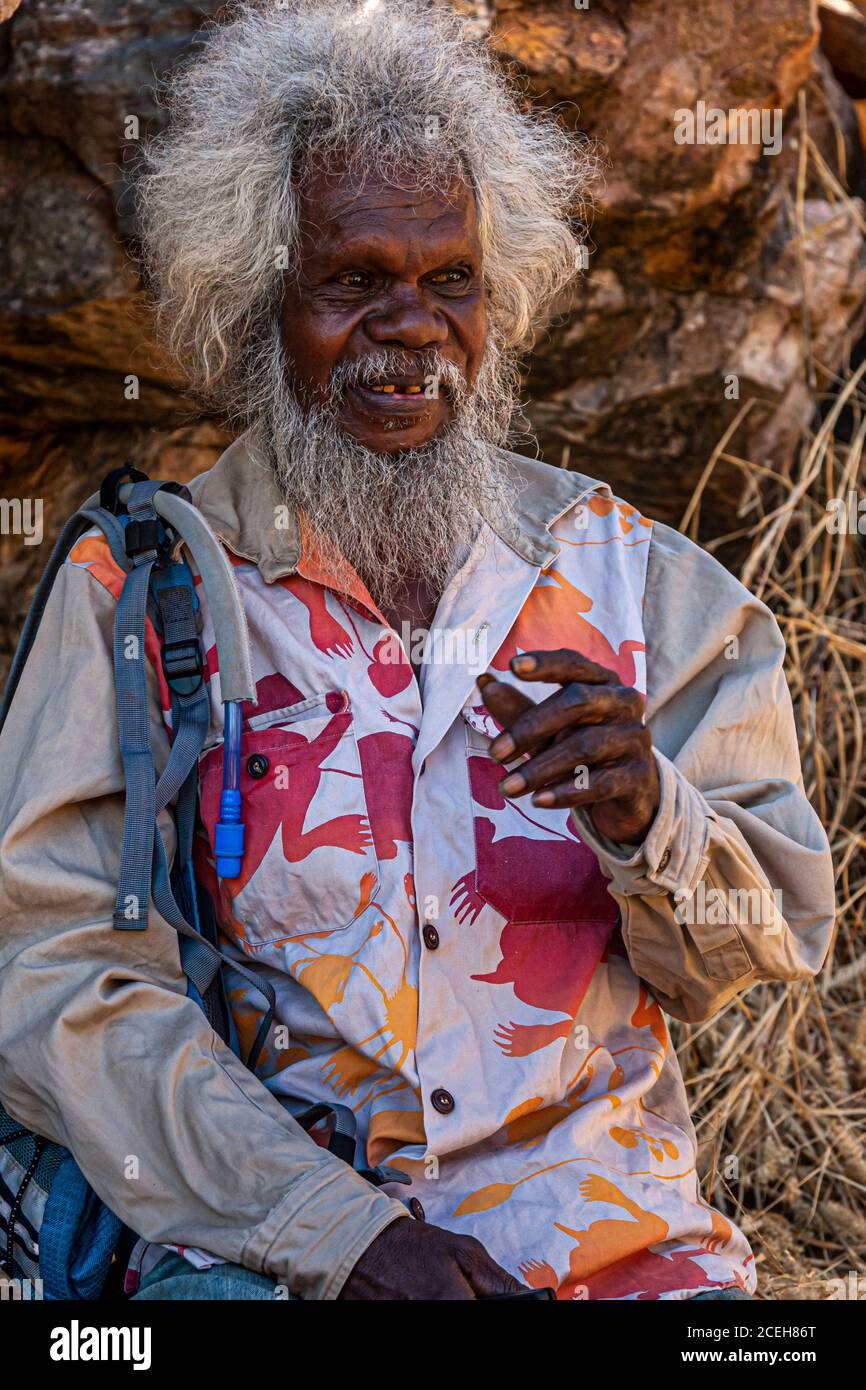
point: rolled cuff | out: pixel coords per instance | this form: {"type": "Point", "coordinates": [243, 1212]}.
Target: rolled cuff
{"type": "Point", "coordinates": [312, 1239]}
{"type": "Point", "coordinates": [673, 855]}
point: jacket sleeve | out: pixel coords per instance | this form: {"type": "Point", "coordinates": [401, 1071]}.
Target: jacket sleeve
{"type": "Point", "coordinates": [734, 882]}
{"type": "Point", "coordinates": [100, 1048]}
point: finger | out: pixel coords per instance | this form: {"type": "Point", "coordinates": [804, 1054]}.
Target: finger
{"type": "Point", "coordinates": [601, 784]}
{"type": "Point", "coordinates": [453, 1286]}
{"type": "Point", "coordinates": [561, 666]}
{"type": "Point", "coordinates": [504, 701]}
{"type": "Point", "coordinates": [574, 704]}
{"type": "Point", "coordinates": [599, 744]}
{"type": "Point", "coordinates": [483, 1273]}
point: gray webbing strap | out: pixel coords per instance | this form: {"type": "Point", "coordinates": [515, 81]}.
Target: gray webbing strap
{"type": "Point", "coordinates": [185, 815]}
{"type": "Point", "coordinates": [112, 529]}
{"type": "Point", "coordinates": [144, 866]}
{"type": "Point", "coordinates": [201, 960]}
{"type": "Point", "coordinates": [133, 729]}
{"type": "Point", "coordinates": [219, 583]}
{"type": "Point", "coordinates": [139, 818]}
{"type": "Point", "coordinates": [200, 956]}
{"type": "Point", "coordinates": [192, 724]}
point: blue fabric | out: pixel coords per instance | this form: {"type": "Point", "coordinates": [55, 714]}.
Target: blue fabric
{"type": "Point", "coordinates": [78, 1237]}
{"type": "Point", "coordinates": [175, 1279]}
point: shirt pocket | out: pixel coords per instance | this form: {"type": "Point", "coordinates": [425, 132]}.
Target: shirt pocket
{"type": "Point", "coordinates": [530, 865]}
{"type": "Point", "coordinates": [309, 860]}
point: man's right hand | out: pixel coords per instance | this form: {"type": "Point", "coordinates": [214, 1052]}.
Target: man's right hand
{"type": "Point", "coordinates": [411, 1260]}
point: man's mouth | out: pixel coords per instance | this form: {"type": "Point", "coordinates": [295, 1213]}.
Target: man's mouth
{"type": "Point", "coordinates": [392, 387]}
{"type": "Point", "coordinates": [401, 396]}
{"type": "Point", "coordinates": [398, 388]}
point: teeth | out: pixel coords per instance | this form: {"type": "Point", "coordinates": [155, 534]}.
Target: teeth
{"type": "Point", "coordinates": [391, 388]}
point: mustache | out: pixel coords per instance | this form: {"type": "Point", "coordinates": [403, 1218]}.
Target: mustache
{"type": "Point", "coordinates": [387, 521]}
{"type": "Point", "coordinates": [428, 366]}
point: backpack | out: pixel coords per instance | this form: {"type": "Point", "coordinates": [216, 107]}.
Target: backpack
{"type": "Point", "coordinates": [53, 1226]}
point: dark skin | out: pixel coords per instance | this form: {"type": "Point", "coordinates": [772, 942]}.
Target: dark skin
{"type": "Point", "coordinates": [594, 723]}
{"type": "Point", "coordinates": [386, 267]}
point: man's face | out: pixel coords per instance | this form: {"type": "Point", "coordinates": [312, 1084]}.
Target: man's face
{"type": "Point", "coordinates": [382, 267]}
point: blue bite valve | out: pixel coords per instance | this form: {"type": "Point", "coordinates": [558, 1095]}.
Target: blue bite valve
{"type": "Point", "coordinates": [229, 836]}
{"type": "Point", "coordinates": [229, 831]}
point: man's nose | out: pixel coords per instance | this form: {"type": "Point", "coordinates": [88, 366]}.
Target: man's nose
{"type": "Point", "coordinates": [407, 320]}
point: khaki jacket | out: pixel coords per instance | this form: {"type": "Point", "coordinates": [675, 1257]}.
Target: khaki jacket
{"type": "Point", "coordinates": [102, 1050]}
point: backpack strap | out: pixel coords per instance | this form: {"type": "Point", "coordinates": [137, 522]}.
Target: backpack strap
{"type": "Point", "coordinates": [144, 874]}
{"type": "Point", "coordinates": [141, 541]}
{"type": "Point", "coordinates": [218, 581]}
{"type": "Point", "coordinates": [342, 1140]}
{"type": "Point", "coordinates": [133, 728]}
{"type": "Point", "coordinates": [144, 871]}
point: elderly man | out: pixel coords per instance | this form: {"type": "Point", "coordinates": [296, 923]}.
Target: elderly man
{"type": "Point", "coordinates": [521, 776]}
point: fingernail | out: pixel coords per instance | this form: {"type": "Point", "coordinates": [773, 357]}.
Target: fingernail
{"type": "Point", "coordinates": [512, 784]}
{"type": "Point", "coordinates": [502, 747]}
{"type": "Point", "coordinates": [521, 664]}
{"type": "Point", "coordinates": [481, 681]}
{"type": "Point", "coordinates": [543, 799]}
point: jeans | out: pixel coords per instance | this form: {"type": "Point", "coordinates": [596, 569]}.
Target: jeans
{"type": "Point", "coordinates": [176, 1279]}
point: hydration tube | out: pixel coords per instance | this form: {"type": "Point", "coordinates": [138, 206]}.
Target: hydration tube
{"type": "Point", "coordinates": [229, 832]}
{"type": "Point", "coordinates": [233, 647]}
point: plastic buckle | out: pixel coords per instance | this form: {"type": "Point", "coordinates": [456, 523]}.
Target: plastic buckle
{"type": "Point", "coordinates": [182, 662]}
{"type": "Point", "coordinates": [140, 536]}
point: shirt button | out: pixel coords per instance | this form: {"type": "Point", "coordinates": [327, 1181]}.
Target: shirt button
{"type": "Point", "coordinates": [665, 860]}
{"type": "Point", "coordinates": [431, 936]}
{"type": "Point", "coordinates": [443, 1101]}
{"type": "Point", "coordinates": [257, 765]}
{"type": "Point", "coordinates": [416, 1209]}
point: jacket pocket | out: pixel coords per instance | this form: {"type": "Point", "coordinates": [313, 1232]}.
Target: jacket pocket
{"type": "Point", "coordinates": [721, 947]}
{"type": "Point", "coordinates": [309, 857]}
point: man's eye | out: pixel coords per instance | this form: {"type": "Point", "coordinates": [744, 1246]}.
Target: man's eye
{"type": "Point", "coordinates": [449, 277]}
{"type": "Point", "coordinates": [354, 279]}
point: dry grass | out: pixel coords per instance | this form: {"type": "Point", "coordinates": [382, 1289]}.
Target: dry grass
{"type": "Point", "coordinates": [777, 1081]}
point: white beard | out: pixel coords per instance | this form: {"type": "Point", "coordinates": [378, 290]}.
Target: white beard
{"type": "Point", "coordinates": [395, 516]}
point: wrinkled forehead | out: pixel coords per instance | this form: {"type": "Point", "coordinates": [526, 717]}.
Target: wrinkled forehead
{"type": "Point", "coordinates": [340, 205]}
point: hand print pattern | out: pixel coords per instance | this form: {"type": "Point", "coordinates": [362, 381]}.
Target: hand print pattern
{"type": "Point", "coordinates": [569, 1151]}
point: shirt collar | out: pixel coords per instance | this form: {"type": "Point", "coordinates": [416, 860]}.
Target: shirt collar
{"type": "Point", "coordinates": [240, 498]}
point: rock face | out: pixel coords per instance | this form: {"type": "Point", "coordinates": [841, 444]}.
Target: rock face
{"type": "Point", "coordinates": [711, 285]}
{"type": "Point", "coordinates": [725, 283]}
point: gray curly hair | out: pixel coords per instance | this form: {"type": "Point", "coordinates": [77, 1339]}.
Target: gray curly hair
{"type": "Point", "coordinates": [391, 86]}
